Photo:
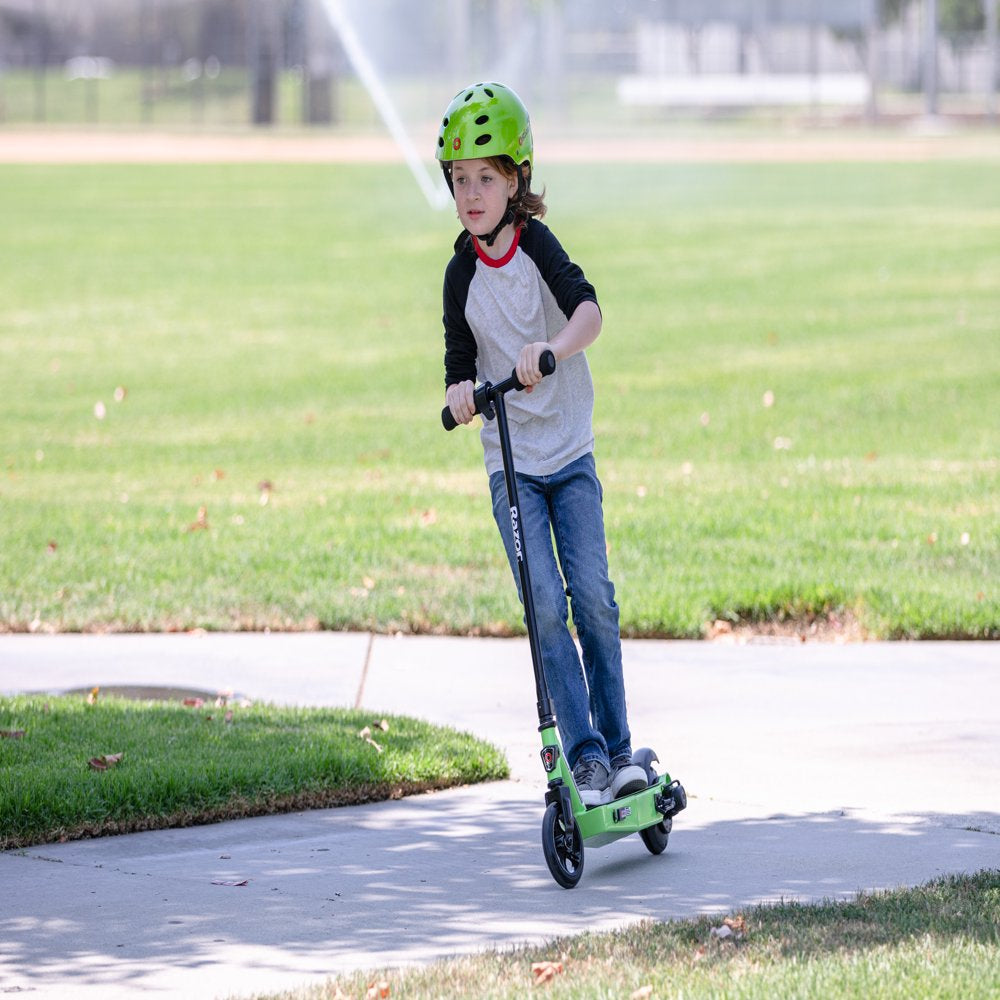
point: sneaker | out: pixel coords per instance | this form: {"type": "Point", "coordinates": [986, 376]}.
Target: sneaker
{"type": "Point", "coordinates": [626, 777]}
{"type": "Point", "coordinates": [591, 778]}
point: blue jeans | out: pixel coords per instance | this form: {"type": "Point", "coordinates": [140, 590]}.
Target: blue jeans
{"type": "Point", "coordinates": [589, 699]}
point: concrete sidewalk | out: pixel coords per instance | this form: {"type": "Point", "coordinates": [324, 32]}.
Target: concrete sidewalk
{"type": "Point", "coordinates": [812, 771]}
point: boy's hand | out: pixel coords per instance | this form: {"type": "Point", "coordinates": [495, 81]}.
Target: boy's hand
{"type": "Point", "coordinates": [461, 401]}
{"type": "Point", "coordinates": [528, 372]}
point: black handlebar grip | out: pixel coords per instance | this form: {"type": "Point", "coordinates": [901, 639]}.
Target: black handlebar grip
{"type": "Point", "coordinates": [449, 422]}
{"type": "Point", "coordinates": [546, 365]}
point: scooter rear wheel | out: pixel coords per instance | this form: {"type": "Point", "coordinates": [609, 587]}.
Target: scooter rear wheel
{"type": "Point", "coordinates": [563, 849]}
{"type": "Point", "coordinates": [655, 837]}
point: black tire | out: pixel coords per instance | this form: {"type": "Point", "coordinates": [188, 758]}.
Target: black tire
{"type": "Point", "coordinates": [655, 837]}
{"type": "Point", "coordinates": [563, 849]}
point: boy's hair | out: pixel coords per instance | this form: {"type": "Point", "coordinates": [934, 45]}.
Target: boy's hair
{"type": "Point", "coordinates": [528, 205]}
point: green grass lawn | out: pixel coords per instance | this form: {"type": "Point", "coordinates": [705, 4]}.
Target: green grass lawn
{"type": "Point", "coordinates": [940, 941]}
{"type": "Point", "coordinates": [185, 764]}
{"type": "Point", "coordinates": [796, 398]}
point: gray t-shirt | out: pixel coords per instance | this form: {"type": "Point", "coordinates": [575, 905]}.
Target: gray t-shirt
{"type": "Point", "coordinates": [492, 308]}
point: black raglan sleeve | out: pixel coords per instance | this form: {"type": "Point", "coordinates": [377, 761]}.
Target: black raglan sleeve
{"type": "Point", "coordinates": [459, 342]}
{"type": "Point", "coordinates": [565, 279]}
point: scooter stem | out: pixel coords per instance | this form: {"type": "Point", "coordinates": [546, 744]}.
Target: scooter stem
{"type": "Point", "coordinates": [545, 717]}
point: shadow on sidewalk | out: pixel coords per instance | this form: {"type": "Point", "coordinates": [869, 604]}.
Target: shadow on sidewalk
{"type": "Point", "coordinates": [417, 879]}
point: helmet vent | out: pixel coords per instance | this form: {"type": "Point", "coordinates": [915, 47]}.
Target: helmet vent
{"type": "Point", "coordinates": [468, 96]}
{"type": "Point", "coordinates": [489, 93]}
{"type": "Point", "coordinates": [483, 139]}
{"type": "Point", "coordinates": [444, 123]}
{"type": "Point", "coordinates": [440, 142]}
{"type": "Point", "coordinates": [482, 119]}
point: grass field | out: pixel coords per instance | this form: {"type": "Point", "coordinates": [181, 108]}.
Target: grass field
{"type": "Point", "coordinates": [796, 398]}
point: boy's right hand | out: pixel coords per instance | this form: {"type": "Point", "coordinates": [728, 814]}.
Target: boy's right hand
{"type": "Point", "coordinates": [460, 398]}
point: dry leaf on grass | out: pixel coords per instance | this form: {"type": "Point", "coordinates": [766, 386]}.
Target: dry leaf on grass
{"type": "Point", "coordinates": [105, 761]}
{"type": "Point", "coordinates": [193, 702]}
{"type": "Point", "coordinates": [366, 735]}
{"type": "Point", "coordinates": [378, 990]}
{"type": "Point", "coordinates": [12, 734]}
{"type": "Point", "coordinates": [642, 993]}
{"type": "Point", "coordinates": [545, 971]}
{"type": "Point", "coordinates": [92, 697]}
{"type": "Point", "coordinates": [200, 523]}
{"type": "Point", "coordinates": [732, 927]}
{"type": "Point", "coordinates": [223, 881]}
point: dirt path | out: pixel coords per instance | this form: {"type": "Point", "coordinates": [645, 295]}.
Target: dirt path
{"type": "Point", "coordinates": [32, 146]}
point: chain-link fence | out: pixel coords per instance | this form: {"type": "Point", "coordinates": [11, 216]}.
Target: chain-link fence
{"type": "Point", "coordinates": [593, 63]}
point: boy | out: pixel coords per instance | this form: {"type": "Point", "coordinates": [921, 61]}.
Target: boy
{"type": "Point", "coordinates": [510, 293]}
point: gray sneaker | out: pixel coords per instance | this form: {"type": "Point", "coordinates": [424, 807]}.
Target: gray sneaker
{"type": "Point", "coordinates": [626, 777]}
{"type": "Point", "coordinates": [591, 778]}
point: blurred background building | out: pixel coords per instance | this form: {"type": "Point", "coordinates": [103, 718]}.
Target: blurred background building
{"type": "Point", "coordinates": [582, 64]}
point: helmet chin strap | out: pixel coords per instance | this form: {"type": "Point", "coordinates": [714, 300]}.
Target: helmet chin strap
{"type": "Point", "coordinates": [509, 216]}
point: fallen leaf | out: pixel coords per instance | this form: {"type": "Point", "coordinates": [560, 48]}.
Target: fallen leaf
{"type": "Point", "coordinates": [218, 474]}
{"type": "Point", "coordinates": [194, 702]}
{"type": "Point", "coordinates": [719, 628]}
{"type": "Point", "coordinates": [737, 924]}
{"type": "Point", "coordinates": [100, 410]}
{"type": "Point", "coordinates": [545, 971]}
{"type": "Point", "coordinates": [51, 547]}
{"type": "Point", "coordinates": [120, 393]}
{"type": "Point", "coordinates": [642, 993]}
{"type": "Point", "coordinates": [105, 761]}
{"type": "Point", "coordinates": [222, 881]}
{"type": "Point", "coordinates": [92, 697]}
{"type": "Point", "coordinates": [428, 517]}
{"type": "Point", "coordinates": [11, 734]}
{"type": "Point", "coordinates": [200, 523]}
{"type": "Point", "coordinates": [378, 990]}
{"type": "Point", "coordinates": [768, 399]}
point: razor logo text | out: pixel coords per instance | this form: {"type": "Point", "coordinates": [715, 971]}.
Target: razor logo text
{"type": "Point", "coordinates": [517, 534]}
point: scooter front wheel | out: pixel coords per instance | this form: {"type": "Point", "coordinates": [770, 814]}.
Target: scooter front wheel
{"type": "Point", "coordinates": [563, 849]}
{"type": "Point", "coordinates": [655, 837]}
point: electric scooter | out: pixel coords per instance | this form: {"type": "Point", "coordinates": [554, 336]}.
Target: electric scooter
{"type": "Point", "coordinates": [567, 823]}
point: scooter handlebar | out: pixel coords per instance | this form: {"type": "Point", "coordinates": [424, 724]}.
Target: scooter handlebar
{"type": "Point", "coordinates": [547, 364]}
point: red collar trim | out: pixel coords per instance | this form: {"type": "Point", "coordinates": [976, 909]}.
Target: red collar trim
{"type": "Point", "coordinates": [498, 261]}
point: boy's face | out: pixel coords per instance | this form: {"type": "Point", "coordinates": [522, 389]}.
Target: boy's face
{"type": "Point", "coordinates": [481, 194]}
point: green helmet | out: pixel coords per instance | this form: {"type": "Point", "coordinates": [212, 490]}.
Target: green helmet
{"type": "Point", "coordinates": [486, 119]}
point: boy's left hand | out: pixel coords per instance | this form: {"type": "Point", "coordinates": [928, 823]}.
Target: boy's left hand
{"type": "Point", "coordinates": [528, 372]}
